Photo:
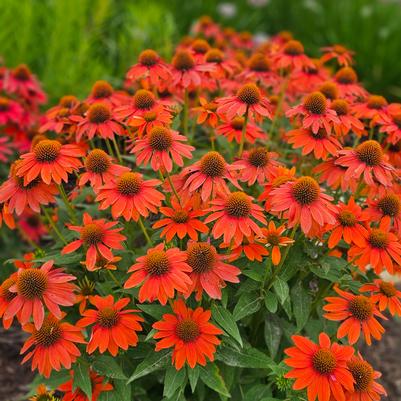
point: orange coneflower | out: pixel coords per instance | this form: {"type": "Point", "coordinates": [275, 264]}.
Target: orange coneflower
{"type": "Point", "coordinates": [74, 393]}
{"type": "Point", "coordinates": [96, 236]}
{"type": "Point", "coordinates": [181, 221]}
{"type": "Point", "coordinates": [357, 312]}
{"type": "Point", "coordinates": [349, 225]}
{"type": "Point", "coordinates": [234, 214]}
{"type": "Point", "coordinates": [347, 83]}
{"type": "Point", "coordinates": [365, 386]}
{"type": "Point", "coordinates": [232, 130]}
{"type": "Point", "coordinates": [49, 160]}
{"type": "Point", "coordinates": [385, 295]}
{"type": "Point", "coordinates": [373, 107]}
{"type": "Point", "coordinates": [43, 394]}
{"type": "Point", "coordinates": [291, 55]}
{"type": "Point", "coordinates": [247, 101]}
{"type": "Point", "coordinates": [36, 287]}
{"type": "Point", "coordinates": [190, 333]}
{"type": "Point", "coordinates": [369, 160]}
{"type": "Point", "coordinates": [6, 296]}
{"type": "Point", "coordinates": [209, 272]}
{"type": "Point", "coordinates": [161, 147]}
{"type": "Point", "coordinates": [206, 112]}
{"type": "Point", "coordinates": [161, 272]}
{"type": "Point", "coordinates": [100, 169]}
{"type": "Point", "coordinates": [303, 202]}
{"type": "Point", "coordinates": [143, 123]}
{"type": "Point", "coordinates": [54, 345]}
{"type": "Point", "coordinates": [251, 247]}
{"type": "Point", "coordinates": [346, 121]}
{"type": "Point", "coordinates": [224, 66]}
{"type": "Point", "coordinates": [19, 197]}
{"type": "Point", "coordinates": [259, 69]}
{"type": "Point", "coordinates": [390, 124]}
{"type": "Point", "coordinates": [113, 328]}
{"type": "Point", "coordinates": [103, 92]}
{"type": "Point", "coordinates": [130, 196]}
{"type": "Point", "coordinates": [320, 368]}
{"type": "Point", "coordinates": [341, 54]}
{"type": "Point", "coordinates": [86, 290]}
{"type": "Point", "coordinates": [381, 249]}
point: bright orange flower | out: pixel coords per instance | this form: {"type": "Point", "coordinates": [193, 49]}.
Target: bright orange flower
{"type": "Point", "coordinates": [130, 196]}
{"type": "Point", "coordinates": [346, 121]}
{"type": "Point", "coordinates": [86, 290]}
{"type": "Point", "coordinates": [374, 106]}
{"type": "Point", "coordinates": [19, 197]}
{"type": "Point", "coordinates": [206, 112]}
{"type": "Point", "coordinates": [224, 65]}
{"type": "Point", "coordinates": [161, 147]}
{"type": "Point", "coordinates": [181, 221]}
{"type": "Point", "coordinates": [6, 296]}
{"type": "Point", "coordinates": [233, 215]}
{"type": "Point", "coordinates": [209, 272]}
{"type": "Point", "coordinates": [357, 312]}
{"type": "Point", "coordinates": [232, 130]}
{"type": "Point", "coordinates": [49, 160]}
{"type": "Point", "coordinates": [103, 92]}
{"type": "Point", "coordinates": [161, 272]}
{"type": "Point", "coordinates": [53, 345]}
{"type": "Point", "coordinates": [381, 249]}
{"type": "Point", "coordinates": [273, 238]}
{"type": "Point", "coordinates": [292, 55]}
{"type": "Point", "coordinates": [303, 201]}
{"type": "Point", "coordinates": [347, 83]}
{"type": "Point", "coordinates": [341, 54]}
{"type": "Point", "coordinates": [113, 328]}
{"type": "Point", "coordinates": [320, 368]}
{"type": "Point", "coordinates": [145, 122]}
{"type": "Point", "coordinates": [42, 394]}
{"type": "Point", "coordinates": [39, 287]}
{"type": "Point", "coordinates": [385, 295]}
{"type": "Point", "coordinates": [365, 386]}
{"type": "Point", "coordinates": [73, 393]}
{"type": "Point", "coordinates": [259, 69]}
{"type": "Point", "coordinates": [348, 225]}
{"type": "Point", "coordinates": [391, 125]}
{"type": "Point", "coordinates": [96, 236]}
{"type": "Point", "coordinates": [100, 169]}
{"type": "Point", "coordinates": [190, 333]}
{"type": "Point", "coordinates": [247, 101]}
{"type": "Point", "coordinates": [250, 247]}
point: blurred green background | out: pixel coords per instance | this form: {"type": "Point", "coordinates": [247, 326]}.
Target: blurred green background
{"type": "Point", "coordinates": [71, 43]}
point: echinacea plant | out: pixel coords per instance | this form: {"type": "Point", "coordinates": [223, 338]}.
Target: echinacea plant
{"type": "Point", "coordinates": [215, 229]}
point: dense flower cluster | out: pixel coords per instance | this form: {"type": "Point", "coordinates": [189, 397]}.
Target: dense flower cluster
{"type": "Point", "coordinates": [184, 195]}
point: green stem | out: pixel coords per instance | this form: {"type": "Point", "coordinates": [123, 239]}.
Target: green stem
{"type": "Point", "coordinates": [243, 133]}
{"type": "Point", "coordinates": [120, 160]}
{"type": "Point", "coordinates": [113, 277]}
{"type": "Point", "coordinates": [173, 187]}
{"type": "Point", "coordinates": [53, 226]}
{"type": "Point", "coordinates": [67, 203]}
{"type": "Point", "coordinates": [109, 148]}
{"type": "Point", "coordinates": [145, 233]}
{"type": "Point", "coordinates": [185, 113]}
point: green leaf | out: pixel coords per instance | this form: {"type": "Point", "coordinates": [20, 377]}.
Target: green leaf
{"type": "Point", "coordinates": [82, 379]}
{"type": "Point", "coordinates": [273, 333]}
{"type": "Point", "coordinates": [271, 302]}
{"type": "Point", "coordinates": [173, 380]}
{"type": "Point", "coordinates": [156, 311]}
{"type": "Point", "coordinates": [258, 392]}
{"type": "Point", "coordinates": [193, 376]}
{"type": "Point", "coordinates": [301, 301]}
{"type": "Point", "coordinates": [244, 358]}
{"type": "Point", "coordinates": [120, 392]}
{"type": "Point", "coordinates": [210, 375]}
{"type": "Point", "coordinates": [247, 304]}
{"type": "Point", "coordinates": [225, 319]}
{"type": "Point", "coordinates": [281, 289]}
{"type": "Point", "coordinates": [154, 361]}
{"type": "Point", "coordinates": [108, 366]}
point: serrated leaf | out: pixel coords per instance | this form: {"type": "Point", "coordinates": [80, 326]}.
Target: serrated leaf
{"type": "Point", "coordinates": [273, 333]}
{"type": "Point", "coordinates": [281, 289]}
{"type": "Point", "coordinates": [247, 304]}
{"type": "Point", "coordinates": [108, 366]}
{"type": "Point", "coordinates": [210, 375]}
{"type": "Point", "coordinates": [244, 358]}
{"type": "Point", "coordinates": [226, 320]}
{"type": "Point", "coordinates": [82, 379]}
{"type": "Point", "coordinates": [154, 361]}
{"type": "Point", "coordinates": [301, 301]}
{"type": "Point", "coordinates": [271, 302]}
{"type": "Point", "coordinates": [173, 380]}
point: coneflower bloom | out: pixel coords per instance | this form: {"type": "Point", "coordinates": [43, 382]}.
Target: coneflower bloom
{"type": "Point", "coordinates": [143, 123]}
{"type": "Point", "coordinates": [199, 48]}
{"type": "Point", "coordinates": [130, 196]}
{"type": "Point", "coordinates": [374, 106]}
{"type": "Point", "coordinates": [100, 169]}
{"type": "Point", "coordinates": [259, 70]}
{"type": "Point", "coordinates": [292, 55]}
{"type": "Point", "coordinates": [320, 368]}
{"type": "Point", "coordinates": [96, 236]}
{"type": "Point", "coordinates": [348, 226]}
{"type": "Point", "coordinates": [274, 239]}
{"type": "Point", "coordinates": [58, 122]}
{"type": "Point", "coordinates": [53, 345]}
{"type": "Point", "coordinates": [208, 176]}
{"type": "Point", "coordinates": [113, 328]}
{"type": "Point", "coordinates": [98, 120]}
{"type": "Point", "coordinates": [161, 147]}
{"type": "Point", "coordinates": [321, 143]}
{"type": "Point", "coordinates": [382, 249]}
{"type": "Point", "coordinates": [161, 273]}
{"type": "Point", "coordinates": [224, 66]}
{"type": "Point", "coordinates": [10, 111]}
{"type": "Point", "coordinates": [347, 83]}
{"type": "Point", "coordinates": [181, 221]}
{"type": "Point", "coordinates": [103, 92]}
{"type": "Point", "coordinates": [341, 54]}
{"type": "Point", "coordinates": [391, 125]}
{"type": "Point", "coordinates": [206, 112]}
{"type": "Point", "coordinates": [369, 160]}
{"type": "Point", "coordinates": [303, 202]}
{"type": "Point", "coordinates": [365, 386]}
{"type": "Point", "coordinates": [6, 296]}
{"type": "Point", "coordinates": [257, 164]}
{"type": "Point", "coordinates": [36, 288]}
{"type": "Point", "coordinates": [357, 313]}
{"type": "Point", "coordinates": [49, 160]}
{"type": "Point", "coordinates": [73, 393]}
{"type": "Point", "coordinates": [42, 394]}
{"type": "Point", "coordinates": [250, 247]}
{"type": "Point", "coordinates": [19, 196]}
{"type": "Point", "coordinates": [247, 101]}
{"type": "Point", "coordinates": [191, 334]}
{"type": "Point", "coordinates": [233, 215]}
{"type": "Point", "coordinates": [315, 113]}
{"type": "Point", "coordinates": [346, 121]}
{"type": "Point", "coordinates": [209, 272]}
{"type": "Point", "coordinates": [150, 66]}
{"type": "Point", "coordinates": [232, 130]}
{"type": "Point", "coordinates": [385, 295]}
{"type": "Point", "coordinates": [31, 226]}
